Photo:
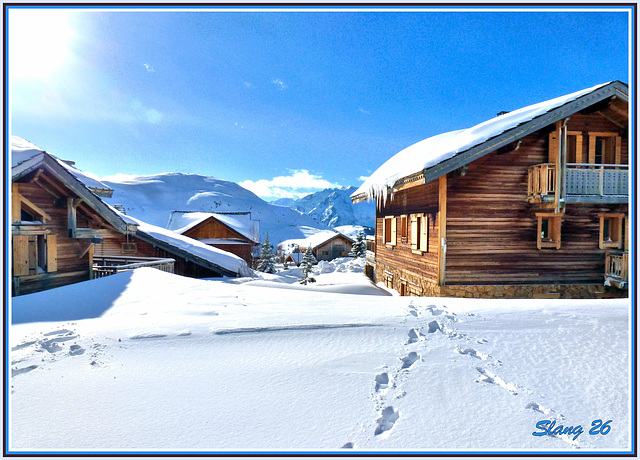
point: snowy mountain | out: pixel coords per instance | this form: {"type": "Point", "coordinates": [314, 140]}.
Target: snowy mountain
{"type": "Point", "coordinates": [333, 207]}
{"type": "Point", "coordinates": [152, 198]}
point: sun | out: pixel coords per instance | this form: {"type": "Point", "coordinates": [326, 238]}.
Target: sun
{"type": "Point", "coordinates": [39, 42]}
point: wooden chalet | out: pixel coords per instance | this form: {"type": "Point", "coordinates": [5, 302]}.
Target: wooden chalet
{"type": "Point", "coordinates": [234, 232]}
{"type": "Point", "coordinates": [532, 203]}
{"type": "Point", "coordinates": [325, 245]}
{"type": "Point", "coordinates": [63, 233]}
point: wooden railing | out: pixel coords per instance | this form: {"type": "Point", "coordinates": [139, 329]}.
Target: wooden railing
{"type": "Point", "coordinates": [542, 180]}
{"type": "Point", "coordinates": [616, 266]}
{"type": "Point", "coordinates": [582, 179]}
{"type": "Point", "coordinates": [110, 265]}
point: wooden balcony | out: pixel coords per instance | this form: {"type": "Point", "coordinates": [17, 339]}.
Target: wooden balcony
{"type": "Point", "coordinates": [584, 183]}
{"type": "Point", "coordinates": [616, 265]}
{"type": "Point", "coordinates": [110, 265]}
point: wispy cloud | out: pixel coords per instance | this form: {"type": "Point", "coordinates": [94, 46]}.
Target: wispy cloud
{"type": "Point", "coordinates": [363, 178]}
{"type": "Point", "coordinates": [296, 185]}
{"type": "Point", "coordinates": [247, 84]}
{"type": "Point", "coordinates": [149, 67]}
{"type": "Point", "coordinates": [361, 110]}
{"type": "Point", "coordinates": [279, 83]}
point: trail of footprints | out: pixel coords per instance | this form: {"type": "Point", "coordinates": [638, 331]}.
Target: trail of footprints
{"type": "Point", "coordinates": [391, 378]}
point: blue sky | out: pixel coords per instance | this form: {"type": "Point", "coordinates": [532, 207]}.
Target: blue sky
{"type": "Point", "coordinates": [286, 103]}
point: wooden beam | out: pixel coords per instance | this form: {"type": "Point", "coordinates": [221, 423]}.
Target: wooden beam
{"type": "Point", "coordinates": [72, 204]}
{"type": "Point", "coordinates": [51, 187]}
{"type": "Point", "coordinates": [36, 176]}
{"type": "Point", "coordinates": [16, 210]}
{"type": "Point", "coordinates": [618, 124]}
{"type": "Point", "coordinates": [33, 207]}
{"type": "Point", "coordinates": [84, 248]}
{"type": "Point", "coordinates": [442, 220]}
{"type": "Point", "coordinates": [88, 233]}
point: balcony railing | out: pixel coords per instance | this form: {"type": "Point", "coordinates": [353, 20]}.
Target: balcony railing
{"type": "Point", "coordinates": [542, 180]}
{"type": "Point", "coordinates": [110, 265]}
{"type": "Point", "coordinates": [583, 182]}
{"type": "Point", "coordinates": [616, 265]}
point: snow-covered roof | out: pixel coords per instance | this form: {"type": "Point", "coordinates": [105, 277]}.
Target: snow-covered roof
{"type": "Point", "coordinates": [442, 147]}
{"type": "Point", "coordinates": [313, 241]}
{"type": "Point", "coordinates": [23, 153]}
{"type": "Point", "coordinates": [215, 256]}
{"type": "Point", "coordinates": [181, 221]}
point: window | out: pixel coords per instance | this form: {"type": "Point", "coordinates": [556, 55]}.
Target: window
{"type": "Point", "coordinates": [388, 279]}
{"type": "Point", "coordinates": [549, 224]}
{"type": "Point", "coordinates": [34, 254]}
{"type": "Point", "coordinates": [419, 233]}
{"type": "Point", "coordinates": [611, 230]}
{"type": "Point", "coordinates": [389, 231]}
{"type": "Point", "coordinates": [403, 229]}
{"type": "Point", "coordinates": [129, 248]}
{"type": "Point", "coordinates": [605, 148]}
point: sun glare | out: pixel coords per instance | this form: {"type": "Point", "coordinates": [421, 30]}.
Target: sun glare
{"type": "Point", "coordinates": [39, 42]}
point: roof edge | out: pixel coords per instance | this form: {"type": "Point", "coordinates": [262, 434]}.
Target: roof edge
{"type": "Point", "coordinates": [614, 88]}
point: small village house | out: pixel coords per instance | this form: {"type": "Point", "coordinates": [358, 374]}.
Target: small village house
{"type": "Point", "coordinates": [234, 232]}
{"type": "Point", "coordinates": [531, 203]}
{"type": "Point", "coordinates": [325, 245]}
{"type": "Point", "coordinates": [63, 233]}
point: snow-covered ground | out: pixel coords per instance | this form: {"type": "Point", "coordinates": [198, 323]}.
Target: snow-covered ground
{"type": "Point", "coordinates": [152, 361]}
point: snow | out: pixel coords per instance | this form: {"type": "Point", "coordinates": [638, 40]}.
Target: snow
{"type": "Point", "coordinates": [431, 151]}
{"type": "Point", "coordinates": [22, 151]}
{"type": "Point", "coordinates": [311, 241]}
{"type": "Point", "coordinates": [152, 198]}
{"type": "Point", "coordinates": [214, 255]}
{"type": "Point", "coordinates": [180, 222]}
{"type": "Point", "coordinates": [146, 360]}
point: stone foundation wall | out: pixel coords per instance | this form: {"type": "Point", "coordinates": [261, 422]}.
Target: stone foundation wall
{"type": "Point", "coordinates": [414, 284]}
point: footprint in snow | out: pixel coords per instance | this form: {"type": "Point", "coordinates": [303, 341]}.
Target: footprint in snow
{"type": "Point", "coordinates": [23, 370]}
{"type": "Point", "coordinates": [489, 377]}
{"type": "Point", "coordinates": [382, 381]}
{"type": "Point", "coordinates": [433, 326]}
{"type": "Point", "coordinates": [349, 445]}
{"type": "Point", "coordinates": [388, 418]}
{"type": "Point", "coordinates": [409, 360]}
{"type": "Point", "coordinates": [414, 336]}
{"type": "Point", "coordinates": [472, 352]}
{"type": "Point", "coordinates": [75, 350]}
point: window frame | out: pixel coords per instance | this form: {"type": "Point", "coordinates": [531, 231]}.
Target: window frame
{"type": "Point", "coordinates": [616, 223]}
{"type": "Point", "coordinates": [389, 226]}
{"type": "Point", "coordinates": [554, 221]}
{"type": "Point", "coordinates": [419, 233]}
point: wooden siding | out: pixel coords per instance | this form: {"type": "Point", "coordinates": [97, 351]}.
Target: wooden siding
{"type": "Point", "coordinates": [421, 199]}
{"type": "Point", "coordinates": [336, 244]}
{"type": "Point", "coordinates": [112, 245]}
{"type": "Point", "coordinates": [71, 268]}
{"type": "Point", "coordinates": [492, 230]}
{"type": "Point", "coordinates": [211, 228]}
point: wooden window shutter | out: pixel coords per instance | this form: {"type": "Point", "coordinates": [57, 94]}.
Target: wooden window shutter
{"type": "Point", "coordinates": [592, 149]}
{"type": "Point", "coordinates": [424, 233]}
{"type": "Point", "coordinates": [52, 253]}
{"type": "Point", "coordinates": [20, 255]}
{"type": "Point", "coordinates": [579, 152]}
{"type": "Point", "coordinates": [393, 230]}
{"type": "Point", "coordinates": [618, 147]}
{"type": "Point", "coordinates": [414, 232]}
{"type": "Point", "coordinates": [384, 230]}
{"type": "Point", "coordinates": [553, 146]}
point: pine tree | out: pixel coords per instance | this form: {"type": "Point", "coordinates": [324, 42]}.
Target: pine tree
{"type": "Point", "coordinates": [267, 260]}
{"type": "Point", "coordinates": [359, 248]}
{"type": "Point", "coordinates": [307, 267]}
